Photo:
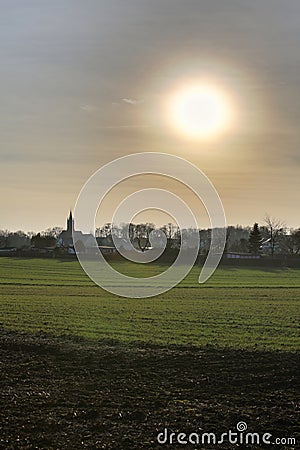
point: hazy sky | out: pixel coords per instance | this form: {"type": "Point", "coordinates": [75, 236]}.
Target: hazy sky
{"type": "Point", "coordinates": [83, 82]}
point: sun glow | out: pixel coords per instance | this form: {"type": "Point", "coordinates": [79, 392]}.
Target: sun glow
{"type": "Point", "coordinates": [200, 111]}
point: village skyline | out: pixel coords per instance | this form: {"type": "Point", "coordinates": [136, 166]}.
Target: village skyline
{"type": "Point", "coordinates": [101, 225]}
{"type": "Point", "coordinates": [271, 238]}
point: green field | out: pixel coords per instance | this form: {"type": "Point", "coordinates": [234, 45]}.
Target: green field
{"type": "Point", "coordinates": [237, 308]}
{"type": "Point", "coordinates": [84, 369]}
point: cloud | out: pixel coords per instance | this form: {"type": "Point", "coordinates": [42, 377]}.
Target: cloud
{"type": "Point", "coordinates": [132, 101]}
{"type": "Point", "coordinates": [125, 126]}
{"type": "Point", "coordinates": [89, 108]}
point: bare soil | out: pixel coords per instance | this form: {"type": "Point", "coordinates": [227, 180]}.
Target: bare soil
{"type": "Point", "coordinates": [69, 393]}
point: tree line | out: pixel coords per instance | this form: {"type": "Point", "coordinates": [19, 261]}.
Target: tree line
{"type": "Point", "coordinates": [272, 237]}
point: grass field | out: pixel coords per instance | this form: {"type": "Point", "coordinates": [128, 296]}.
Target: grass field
{"type": "Point", "coordinates": [83, 369]}
{"type": "Point", "coordinates": [237, 308]}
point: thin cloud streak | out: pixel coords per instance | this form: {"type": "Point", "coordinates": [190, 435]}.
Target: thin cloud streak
{"type": "Point", "coordinates": [89, 108]}
{"type": "Point", "coordinates": [125, 126]}
{"type": "Point", "coordinates": [132, 101]}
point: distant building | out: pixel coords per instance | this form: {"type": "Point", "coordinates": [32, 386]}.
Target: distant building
{"type": "Point", "coordinates": [70, 237]}
{"type": "Point", "coordinates": [235, 255]}
{"type": "Point", "coordinates": [84, 242]}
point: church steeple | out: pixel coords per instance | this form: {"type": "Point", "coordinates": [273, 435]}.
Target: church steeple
{"type": "Point", "coordinates": [70, 223]}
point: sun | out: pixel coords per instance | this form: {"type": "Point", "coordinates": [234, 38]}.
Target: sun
{"type": "Point", "coordinates": [200, 111]}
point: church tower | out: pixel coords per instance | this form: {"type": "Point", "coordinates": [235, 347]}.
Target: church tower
{"type": "Point", "coordinates": [70, 223]}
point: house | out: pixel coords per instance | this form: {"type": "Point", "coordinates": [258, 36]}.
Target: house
{"type": "Point", "coordinates": [235, 255]}
{"type": "Point", "coordinates": [106, 245]}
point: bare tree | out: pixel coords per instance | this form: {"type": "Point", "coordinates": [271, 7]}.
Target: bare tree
{"type": "Point", "coordinates": [291, 242]}
{"type": "Point", "coordinates": [172, 233]}
{"type": "Point", "coordinates": [3, 237]}
{"type": "Point", "coordinates": [142, 233]}
{"type": "Point", "coordinates": [275, 228]}
{"type": "Point", "coordinates": [52, 232]}
{"type": "Point", "coordinates": [104, 231]}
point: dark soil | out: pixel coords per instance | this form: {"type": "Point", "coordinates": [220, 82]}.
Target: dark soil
{"type": "Point", "coordinates": [67, 393]}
